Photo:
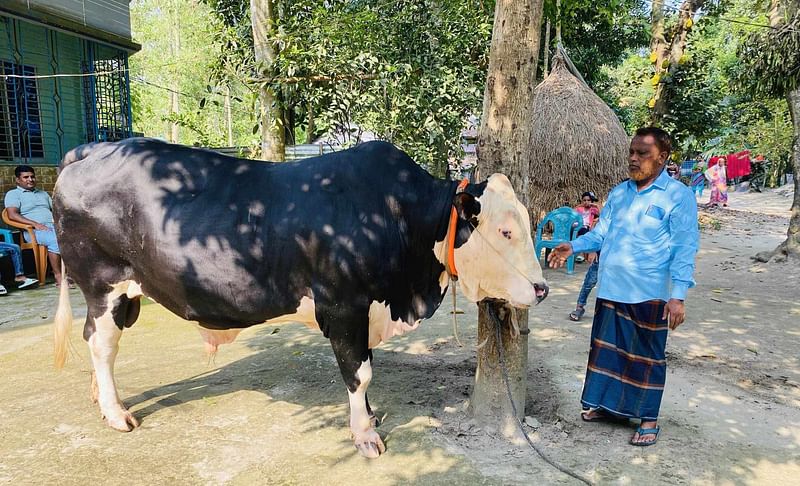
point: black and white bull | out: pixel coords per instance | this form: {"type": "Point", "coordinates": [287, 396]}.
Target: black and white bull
{"type": "Point", "coordinates": [352, 243]}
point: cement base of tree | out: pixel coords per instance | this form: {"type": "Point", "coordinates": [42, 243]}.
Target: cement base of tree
{"type": "Point", "coordinates": [489, 404]}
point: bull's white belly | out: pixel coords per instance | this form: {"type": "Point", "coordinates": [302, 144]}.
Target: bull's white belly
{"type": "Point", "coordinates": [305, 314]}
{"type": "Point", "coordinates": [381, 325]}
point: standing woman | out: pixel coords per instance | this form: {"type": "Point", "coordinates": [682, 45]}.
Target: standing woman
{"type": "Point", "coordinates": [718, 180]}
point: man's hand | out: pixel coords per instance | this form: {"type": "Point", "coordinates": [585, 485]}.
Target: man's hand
{"type": "Point", "coordinates": [675, 312]}
{"type": "Point", "coordinates": [559, 255]}
{"type": "Point", "coordinates": [591, 257]}
{"type": "Point", "coordinates": [13, 215]}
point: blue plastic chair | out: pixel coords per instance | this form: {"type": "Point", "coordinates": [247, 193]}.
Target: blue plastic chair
{"type": "Point", "coordinates": [5, 235]}
{"type": "Point", "coordinates": [566, 223]}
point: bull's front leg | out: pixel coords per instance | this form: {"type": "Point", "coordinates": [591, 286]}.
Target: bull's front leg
{"type": "Point", "coordinates": [355, 364]}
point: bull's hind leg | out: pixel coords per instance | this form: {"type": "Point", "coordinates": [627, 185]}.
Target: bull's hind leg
{"type": "Point", "coordinates": [355, 364]}
{"type": "Point", "coordinates": [107, 317]}
{"type": "Point", "coordinates": [373, 419]}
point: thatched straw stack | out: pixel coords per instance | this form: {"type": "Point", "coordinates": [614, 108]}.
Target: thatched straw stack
{"type": "Point", "coordinates": [577, 142]}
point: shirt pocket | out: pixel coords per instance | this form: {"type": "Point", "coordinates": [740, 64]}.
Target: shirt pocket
{"type": "Point", "coordinates": [655, 211]}
{"type": "Point", "coordinates": [652, 228]}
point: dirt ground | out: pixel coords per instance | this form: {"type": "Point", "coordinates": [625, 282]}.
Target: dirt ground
{"type": "Point", "coordinates": [271, 408]}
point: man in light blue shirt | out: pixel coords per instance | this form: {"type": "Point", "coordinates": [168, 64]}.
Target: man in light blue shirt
{"type": "Point", "coordinates": [28, 205]}
{"type": "Point", "coordinates": [648, 237]}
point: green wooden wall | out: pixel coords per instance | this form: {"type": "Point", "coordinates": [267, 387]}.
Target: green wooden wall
{"type": "Point", "coordinates": [61, 100]}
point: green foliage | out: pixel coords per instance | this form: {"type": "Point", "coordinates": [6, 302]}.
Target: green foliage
{"type": "Point", "coordinates": [626, 88]}
{"type": "Point", "coordinates": [163, 66]}
{"type": "Point", "coordinates": [701, 102]}
{"type": "Point", "coordinates": [598, 34]}
{"type": "Point", "coordinates": [410, 71]}
{"type": "Point", "coordinates": [773, 55]}
{"type": "Point", "coordinates": [706, 112]}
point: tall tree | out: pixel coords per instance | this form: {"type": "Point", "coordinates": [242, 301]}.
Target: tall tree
{"type": "Point", "coordinates": [271, 118]}
{"type": "Point", "coordinates": [503, 146]}
{"type": "Point", "coordinates": [667, 63]}
{"type": "Point", "coordinates": [774, 56]}
{"type": "Point", "coordinates": [658, 44]}
{"type": "Point", "coordinates": [174, 50]}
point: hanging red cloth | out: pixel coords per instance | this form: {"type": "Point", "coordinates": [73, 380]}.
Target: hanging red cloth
{"type": "Point", "coordinates": [738, 163]}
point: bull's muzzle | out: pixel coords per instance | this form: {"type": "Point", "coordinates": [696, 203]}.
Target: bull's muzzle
{"type": "Point", "coordinates": [542, 289]}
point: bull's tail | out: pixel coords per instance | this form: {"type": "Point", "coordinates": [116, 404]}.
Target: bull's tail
{"type": "Point", "coordinates": [63, 321]}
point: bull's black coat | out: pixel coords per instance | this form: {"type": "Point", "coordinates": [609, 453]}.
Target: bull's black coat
{"type": "Point", "coordinates": [231, 242]}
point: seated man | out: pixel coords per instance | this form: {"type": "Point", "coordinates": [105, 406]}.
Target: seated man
{"type": "Point", "coordinates": [28, 205]}
{"type": "Point", "coordinates": [15, 253]}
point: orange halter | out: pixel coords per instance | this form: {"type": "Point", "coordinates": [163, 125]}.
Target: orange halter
{"type": "Point", "coordinates": [451, 235]}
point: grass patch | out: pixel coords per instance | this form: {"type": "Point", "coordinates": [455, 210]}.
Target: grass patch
{"type": "Point", "coordinates": [706, 222]}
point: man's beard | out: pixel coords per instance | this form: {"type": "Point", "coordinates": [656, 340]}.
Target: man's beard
{"type": "Point", "coordinates": [640, 174]}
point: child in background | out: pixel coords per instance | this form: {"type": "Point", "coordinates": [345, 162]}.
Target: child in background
{"type": "Point", "coordinates": [589, 212]}
{"type": "Point", "coordinates": [698, 181]}
{"type": "Point", "coordinates": [589, 281]}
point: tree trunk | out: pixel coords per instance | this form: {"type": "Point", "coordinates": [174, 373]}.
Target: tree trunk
{"type": "Point", "coordinates": [791, 246]}
{"type": "Point", "coordinates": [503, 142]}
{"type": "Point", "coordinates": [677, 47]}
{"type": "Point", "coordinates": [270, 119]}
{"type": "Point", "coordinates": [228, 116]}
{"type": "Point", "coordinates": [792, 243]}
{"type": "Point", "coordinates": [658, 44]}
{"type": "Point", "coordinates": [289, 117]}
{"type": "Point", "coordinates": [174, 48]}
{"type": "Point", "coordinates": [546, 50]}
{"type": "Point", "coordinates": [310, 126]}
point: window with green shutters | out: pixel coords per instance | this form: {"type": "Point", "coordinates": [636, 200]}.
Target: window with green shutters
{"type": "Point", "coordinates": [20, 121]}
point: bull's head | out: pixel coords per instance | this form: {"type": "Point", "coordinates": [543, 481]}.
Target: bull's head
{"type": "Point", "coordinates": [498, 260]}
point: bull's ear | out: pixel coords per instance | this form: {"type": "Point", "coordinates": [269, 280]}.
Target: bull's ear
{"type": "Point", "coordinates": [467, 206]}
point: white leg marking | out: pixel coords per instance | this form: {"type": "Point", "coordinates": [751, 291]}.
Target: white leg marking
{"type": "Point", "coordinates": [366, 440]}
{"type": "Point", "coordinates": [104, 344]}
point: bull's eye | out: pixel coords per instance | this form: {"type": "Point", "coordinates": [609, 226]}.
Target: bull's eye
{"type": "Point", "coordinates": [506, 233]}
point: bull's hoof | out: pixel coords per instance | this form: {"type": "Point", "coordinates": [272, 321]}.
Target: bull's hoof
{"type": "Point", "coordinates": [122, 420]}
{"type": "Point", "coordinates": [369, 444]}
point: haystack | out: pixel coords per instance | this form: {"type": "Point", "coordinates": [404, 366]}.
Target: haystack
{"type": "Point", "coordinates": [577, 142]}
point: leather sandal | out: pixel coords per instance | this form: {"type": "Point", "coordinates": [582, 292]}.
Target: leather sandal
{"type": "Point", "coordinates": [577, 314]}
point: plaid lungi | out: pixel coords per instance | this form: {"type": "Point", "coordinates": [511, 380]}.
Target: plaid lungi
{"type": "Point", "coordinates": [627, 366]}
